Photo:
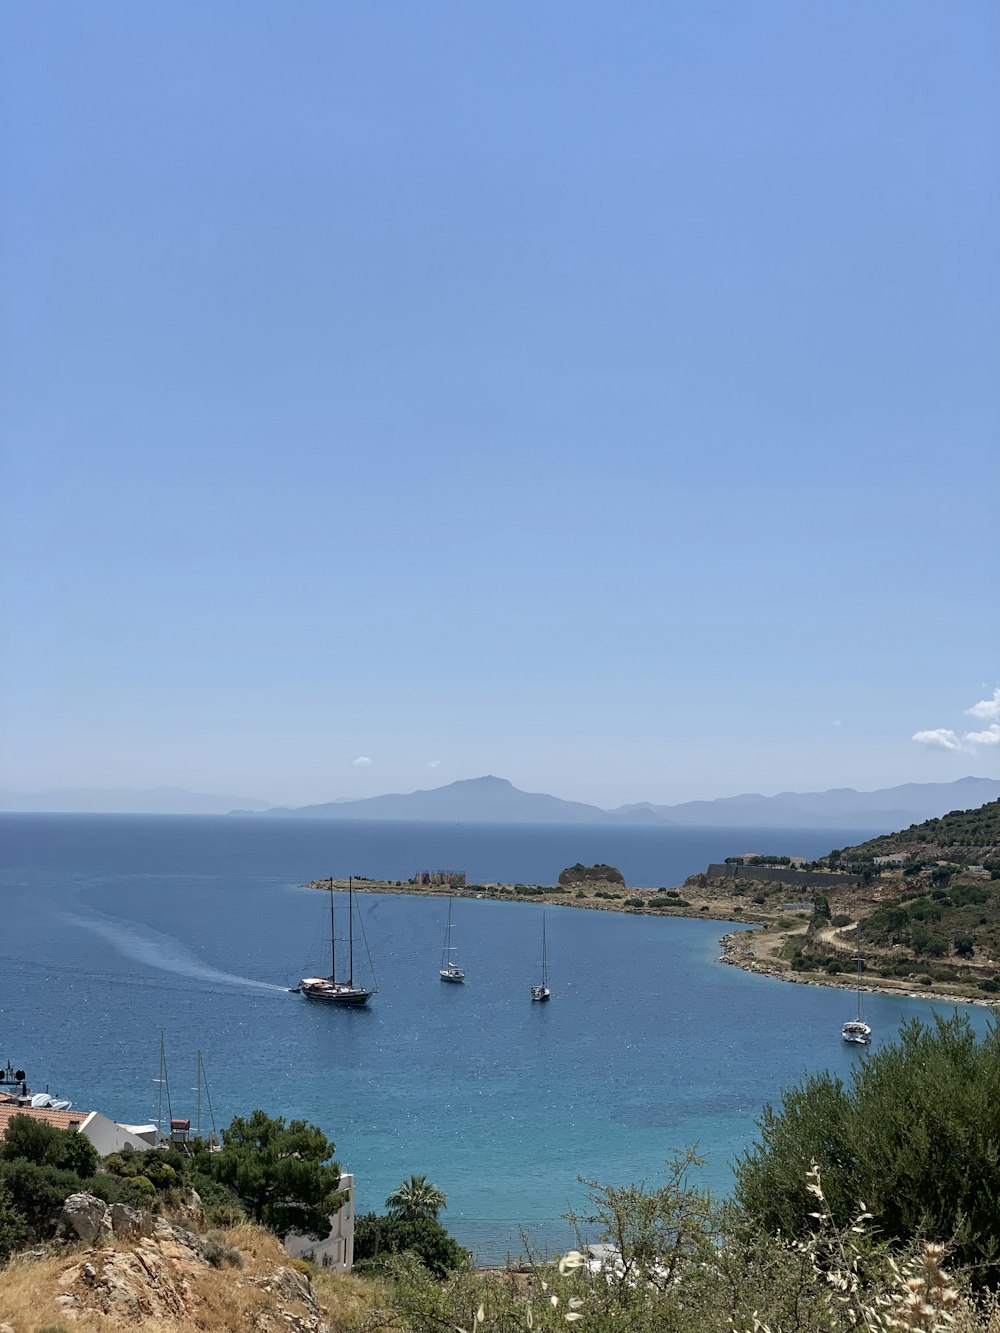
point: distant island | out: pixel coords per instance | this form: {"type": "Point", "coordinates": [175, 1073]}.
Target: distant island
{"type": "Point", "coordinates": [492, 800]}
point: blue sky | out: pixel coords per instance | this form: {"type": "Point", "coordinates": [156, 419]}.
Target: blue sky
{"type": "Point", "coordinates": [603, 397]}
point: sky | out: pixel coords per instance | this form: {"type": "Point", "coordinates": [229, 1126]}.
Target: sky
{"type": "Point", "coordinates": [603, 397]}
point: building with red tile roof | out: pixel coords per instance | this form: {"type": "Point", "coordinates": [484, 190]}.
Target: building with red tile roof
{"type": "Point", "coordinates": [71, 1119]}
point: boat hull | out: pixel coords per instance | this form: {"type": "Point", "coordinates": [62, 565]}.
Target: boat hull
{"type": "Point", "coordinates": [348, 997]}
{"type": "Point", "coordinates": [456, 977]}
{"type": "Point", "coordinates": [856, 1034]}
{"type": "Point", "coordinates": [540, 993]}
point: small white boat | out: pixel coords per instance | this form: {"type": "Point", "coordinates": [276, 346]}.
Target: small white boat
{"type": "Point", "coordinates": [542, 992]}
{"type": "Point", "coordinates": [450, 971]}
{"type": "Point", "coordinates": [856, 1031]}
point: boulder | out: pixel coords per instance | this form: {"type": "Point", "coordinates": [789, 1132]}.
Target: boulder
{"type": "Point", "coordinates": [129, 1223]}
{"type": "Point", "coordinates": [297, 1309]}
{"type": "Point", "coordinates": [84, 1216]}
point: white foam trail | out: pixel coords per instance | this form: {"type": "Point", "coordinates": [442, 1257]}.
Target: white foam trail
{"type": "Point", "coordinates": [162, 951]}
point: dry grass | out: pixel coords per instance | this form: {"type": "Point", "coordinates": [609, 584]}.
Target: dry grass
{"type": "Point", "coordinates": [28, 1289]}
{"type": "Point", "coordinates": [352, 1303]}
{"type": "Point", "coordinates": [219, 1300]}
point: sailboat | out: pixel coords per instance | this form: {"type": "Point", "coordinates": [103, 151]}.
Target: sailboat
{"type": "Point", "coordinates": [857, 1031]}
{"type": "Point", "coordinates": [450, 971]}
{"type": "Point", "coordinates": [329, 989]}
{"type": "Point", "coordinates": [542, 992]}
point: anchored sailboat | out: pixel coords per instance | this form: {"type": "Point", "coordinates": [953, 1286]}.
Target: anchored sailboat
{"type": "Point", "coordinates": [857, 1031]}
{"type": "Point", "coordinates": [329, 988]}
{"type": "Point", "coordinates": [450, 971]}
{"type": "Point", "coordinates": [542, 992]}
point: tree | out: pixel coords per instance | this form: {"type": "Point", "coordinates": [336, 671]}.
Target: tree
{"type": "Point", "coordinates": [913, 1136]}
{"type": "Point", "coordinates": [658, 1234]}
{"type": "Point", "coordinates": [34, 1141]}
{"type": "Point", "coordinates": [415, 1198]}
{"type": "Point", "coordinates": [283, 1175]}
{"type": "Point", "coordinates": [376, 1238]}
{"type": "Point", "coordinates": [37, 1193]}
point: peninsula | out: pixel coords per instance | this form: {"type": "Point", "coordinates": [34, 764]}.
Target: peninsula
{"type": "Point", "coordinates": [922, 906]}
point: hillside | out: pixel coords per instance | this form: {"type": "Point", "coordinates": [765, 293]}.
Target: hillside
{"type": "Point", "coordinates": [471, 800]}
{"type": "Point", "coordinates": [887, 807]}
{"type": "Point", "coordinates": [496, 800]}
{"type": "Point", "coordinates": [962, 837]}
{"type": "Point", "coordinates": [930, 921]}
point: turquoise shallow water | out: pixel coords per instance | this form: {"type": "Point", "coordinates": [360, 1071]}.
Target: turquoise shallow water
{"type": "Point", "coordinates": [112, 929]}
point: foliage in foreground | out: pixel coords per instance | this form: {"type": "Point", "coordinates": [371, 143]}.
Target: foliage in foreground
{"type": "Point", "coordinates": [915, 1135]}
{"type": "Point", "coordinates": [688, 1268]}
{"type": "Point", "coordinates": [411, 1227]}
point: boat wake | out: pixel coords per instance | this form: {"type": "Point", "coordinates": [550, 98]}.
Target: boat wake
{"type": "Point", "coordinates": [154, 949]}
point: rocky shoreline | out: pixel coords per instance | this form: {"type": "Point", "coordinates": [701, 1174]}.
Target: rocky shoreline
{"type": "Point", "coordinates": [736, 953]}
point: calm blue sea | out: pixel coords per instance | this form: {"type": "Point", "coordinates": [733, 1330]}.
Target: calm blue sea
{"type": "Point", "coordinates": [115, 927]}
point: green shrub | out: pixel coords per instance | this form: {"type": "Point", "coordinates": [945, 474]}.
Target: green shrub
{"type": "Point", "coordinates": [841, 920]}
{"type": "Point", "coordinates": [220, 1255]}
{"type": "Point", "coordinates": [378, 1237]}
{"type": "Point", "coordinates": [13, 1227]}
{"type": "Point", "coordinates": [941, 1181]}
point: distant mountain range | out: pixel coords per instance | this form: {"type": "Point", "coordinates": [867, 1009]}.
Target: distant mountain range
{"type": "Point", "coordinates": [124, 801]}
{"type": "Point", "coordinates": [492, 800]}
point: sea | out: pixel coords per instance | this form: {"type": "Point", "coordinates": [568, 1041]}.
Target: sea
{"type": "Point", "coordinates": [117, 929]}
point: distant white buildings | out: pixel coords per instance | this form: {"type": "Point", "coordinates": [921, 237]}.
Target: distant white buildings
{"type": "Point", "coordinates": [896, 859]}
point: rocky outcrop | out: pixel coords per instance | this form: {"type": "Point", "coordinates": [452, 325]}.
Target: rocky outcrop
{"type": "Point", "coordinates": [86, 1217]}
{"type": "Point", "coordinates": [599, 874]}
{"type": "Point", "coordinates": [174, 1276]}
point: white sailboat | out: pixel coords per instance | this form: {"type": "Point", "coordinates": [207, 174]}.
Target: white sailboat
{"type": "Point", "coordinates": [344, 992]}
{"type": "Point", "coordinates": [856, 1031]}
{"type": "Point", "coordinates": [450, 971]}
{"type": "Point", "coordinates": [542, 992]}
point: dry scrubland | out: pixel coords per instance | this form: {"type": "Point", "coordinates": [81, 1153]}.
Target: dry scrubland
{"type": "Point", "coordinates": [249, 1285]}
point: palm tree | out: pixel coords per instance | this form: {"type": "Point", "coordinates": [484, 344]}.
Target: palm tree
{"type": "Point", "coordinates": [416, 1198]}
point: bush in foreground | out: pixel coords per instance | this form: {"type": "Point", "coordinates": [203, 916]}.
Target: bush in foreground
{"type": "Point", "coordinates": [914, 1135]}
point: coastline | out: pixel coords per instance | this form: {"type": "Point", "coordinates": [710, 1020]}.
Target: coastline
{"type": "Point", "coordinates": [736, 951]}
{"type": "Point", "coordinates": [736, 954]}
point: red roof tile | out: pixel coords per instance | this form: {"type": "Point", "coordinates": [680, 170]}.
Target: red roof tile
{"type": "Point", "coordinates": [58, 1119]}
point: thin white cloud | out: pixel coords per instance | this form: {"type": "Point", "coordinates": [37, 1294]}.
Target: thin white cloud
{"type": "Point", "coordinates": [362, 761]}
{"type": "Point", "coordinates": [991, 736]}
{"type": "Point", "coordinates": [433, 763]}
{"type": "Point", "coordinates": [988, 710]}
{"type": "Point", "coordinates": [943, 737]}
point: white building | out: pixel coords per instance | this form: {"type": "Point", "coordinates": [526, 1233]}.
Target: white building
{"type": "Point", "coordinates": [337, 1250]}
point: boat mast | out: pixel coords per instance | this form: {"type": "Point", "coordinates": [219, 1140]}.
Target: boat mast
{"type": "Point", "coordinates": [545, 976]}
{"type": "Point", "coordinates": [332, 937]}
{"type": "Point", "coordinates": [350, 930]}
{"type": "Point", "coordinates": [159, 1099]}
